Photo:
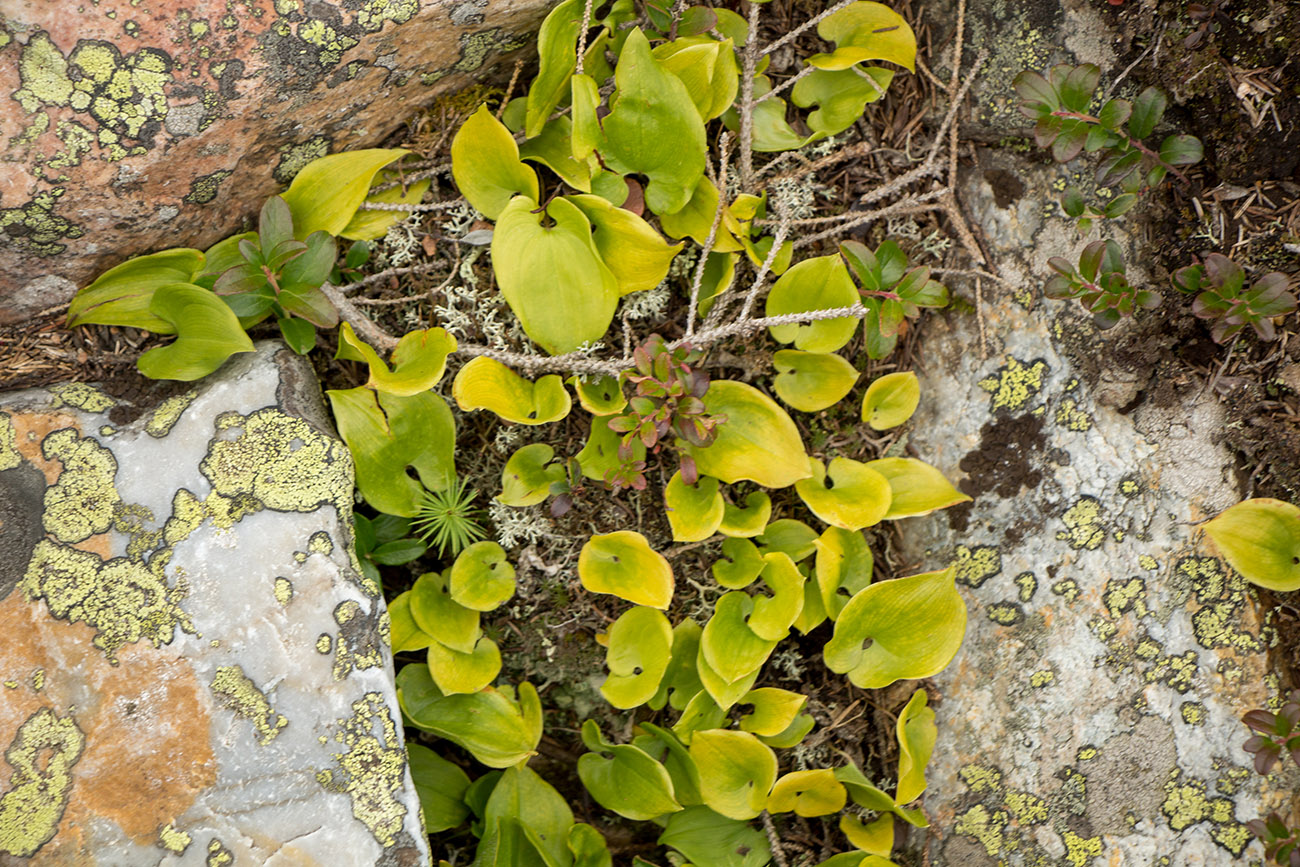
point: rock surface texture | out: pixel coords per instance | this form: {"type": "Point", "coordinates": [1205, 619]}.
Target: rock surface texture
{"type": "Point", "coordinates": [129, 124]}
{"type": "Point", "coordinates": [193, 671]}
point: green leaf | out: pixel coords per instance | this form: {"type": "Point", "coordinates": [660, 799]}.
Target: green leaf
{"type": "Point", "coordinates": [876, 838]}
{"type": "Point", "coordinates": [1181, 150]}
{"type": "Point", "coordinates": [907, 628]}
{"type": "Point", "coordinates": [369, 225]}
{"type": "Point", "coordinates": [636, 254]}
{"type": "Point", "coordinates": [864, 794]}
{"type": "Point", "coordinates": [482, 578]}
{"type": "Point", "coordinates": [554, 149]}
{"type": "Point", "coordinates": [434, 612]}
{"type": "Point", "coordinates": [725, 693]}
{"type": "Point", "coordinates": [1260, 538]}
{"type": "Point", "coordinates": [640, 646]}
{"type": "Point", "coordinates": [694, 511]}
{"type": "Point", "coordinates": [916, 736]}
{"type": "Point", "coordinates": [419, 360]}
{"type": "Point", "coordinates": [695, 219]}
{"type": "Point", "coordinates": [789, 536]}
{"type": "Point", "coordinates": [628, 781]}
{"type": "Point", "coordinates": [403, 632]}
{"type": "Point", "coordinates": [325, 195]}
{"type": "Point", "coordinates": [386, 434]}
{"type": "Point", "coordinates": [585, 134]}
{"type": "Point", "coordinates": [843, 568]}
{"type": "Point", "coordinates": [891, 399]}
{"type": "Point", "coordinates": [774, 710]}
{"type": "Point", "coordinates": [739, 564]}
{"type": "Point", "coordinates": [681, 681]}
{"type": "Point", "coordinates": [759, 442]}
{"type": "Point", "coordinates": [813, 613]}
{"type": "Point", "coordinates": [599, 454]}
{"type": "Point", "coordinates": [810, 381]}
{"type": "Point", "coordinates": [557, 44]}
{"type": "Point", "coordinates": [552, 275]}
{"type": "Point", "coordinates": [299, 334]}
{"type": "Point", "coordinates": [496, 729]}
{"type": "Point", "coordinates": [440, 786]}
{"type": "Point", "coordinates": [707, 68]}
{"type": "Point", "coordinates": [866, 31]}
{"type": "Point", "coordinates": [623, 564]}
{"type": "Point", "coordinates": [1148, 109]}
{"type": "Point", "coordinates": [749, 520]}
{"type": "Point", "coordinates": [522, 797]}
{"type": "Point", "coordinates": [771, 131]}
{"type": "Point", "coordinates": [1077, 88]}
{"type": "Point", "coordinates": [917, 487]}
{"type": "Point", "coordinates": [792, 735]}
{"type": "Point", "coordinates": [122, 294]}
{"type": "Point", "coordinates": [458, 673]}
{"type": "Point", "coordinates": [808, 793]}
{"type": "Point", "coordinates": [528, 475]}
{"type": "Point", "coordinates": [841, 96]}
{"type": "Point", "coordinates": [486, 166]}
{"type": "Point", "coordinates": [737, 771]}
{"type": "Point", "coordinates": [731, 649]}
{"type": "Point", "coordinates": [773, 615]}
{"type": "Point", "coordinates": [710, 840]}
{"type": "Point", "coordinates": [588, 847]}
{"type": "Point", "coordinates": [653, 128]}
{"type": "Point", "coordinates": [485, 383]}
{"type": "Point", "coordinates": [207, 333]}
{"type": "Point", "coordinates": [859, 497]}
{"type": "Point", "coordinates": [822, 283]}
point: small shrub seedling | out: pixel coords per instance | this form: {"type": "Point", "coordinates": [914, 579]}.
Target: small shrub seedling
{"type": "Point", "coordinates": [1099, 284]}
{"type": "Point", "coordinates": [1223, 297]}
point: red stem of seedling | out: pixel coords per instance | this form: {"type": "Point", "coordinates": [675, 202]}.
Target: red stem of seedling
{"type": "Point", "coordinates": [1133, 143]}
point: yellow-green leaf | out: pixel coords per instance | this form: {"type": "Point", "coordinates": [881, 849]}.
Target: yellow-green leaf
{"type": "Point", "coordinates": [458, 673]}
{"type": "Point", "coordinates": [601, 396]}
{"type": "Point", "coordinates": [859, 498]}
{"type": "Point", "coordinates": [891, 399]}
{"type": "Point", "coordinates": [916, 736]}
{"type": "Point", "coordinates": [1260, 538]}
{"type": "Point", "coordinates": [808, 793]}
{"type": "Point", "coordinates": [866, 31]}
{"type": "Point", "coordinates": [695, 219]}
{"type": "Point", "coordinates": [122, 294]}
{"type": "Point", "coordinates": [844, 566]}
{"type": "Point", "coordinates": [759, 442]}
{"type": "Point", "coordinates": [739, 564]}
{"type": "Point", "coordinates": [437, 614]}
{"type": "Point", "coordinates": [585, 134]}
{"type": "Point", "coordinates": [368, 225]}
{"type": "Point", "coordinates": [707, 68]}
{"type": "Point", "coordinates": [748, 520]}
{"type": "Point", "coordinates": [694, 511]}
{"type": "Point", "coordinates": [812, 381]}
{"type": "Point", "coordinates": [681, 680]}
{"type": "Point", "coordinates": [528, 475]}
{"type": "Point", "coordinates": [640, 647]}
{"type": "Point", "coordinates": [557, 43]}
{"type": "Point", "coordinates": [789, 536]}
{"type": "Point", "coordinates": [907, 628]}
{"type": "Point", "coordinates": [554, 149]}
{"type": "Point", "coordinates": [773, 615]}
{"type": "Point", "coordinates": [403, 632]}
{"type": "Point", "coordinates": [917, 488]}
{"type": "Point", "coordinates": [419, 360]}
{"type": "Point", "coordinates": [822, 283]}
{"type": "Point", "coordinates": [875, 837]}
{"type": "Point", "coordinates": [623, 564]}
{"type": "Point", "coordinates": [774, 710]}
{"type": "Point", "coordinates": [441, 787]}
{"type": "Point", "coordinates": [485, 383]}
{"type": "Point", "coordinates": [840, 96]}
{"type": "Point", "coordinates": [732, 650]}
{"type": "Point", "coordinates": [599, 454]}
{"type": "Point", "coordinates": [551, 274]}
{"type": "Point", "coordinates": [496, 729]}
{"type": "Point", "coordinates": [724, 693]}
{"type": "Point", "coordinates": [637, 255]}
{"type": "Point", "coordinates": [482, 578]}
{"type": "Point", "coordinates": [737, 771]}
{"type": "Point", "coordinates": [208, 332]}
{"type": "Point", "coordinates": [486, 166]}
{"type": "Point", "coordinates": [624, 778]}
{"type": "Point", "coordinates": [325, 195]}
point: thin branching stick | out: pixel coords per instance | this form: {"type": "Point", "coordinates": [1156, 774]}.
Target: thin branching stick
{"type": "Point", "coordinates": [749, 62]}
{"type": "Point", "coordinates": [798, 31]}
{"type": "Point", "coordinates": [423, 268]}
{"type": "Point", "coordinates": [725, 146]}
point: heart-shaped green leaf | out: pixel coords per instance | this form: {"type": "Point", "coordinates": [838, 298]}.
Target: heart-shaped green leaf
{"type": "Point", "coordinates": [599, 396]}
{"type": "Point", "coordinates": [599, 455]}
{"type": "Point", "coordinates": [664, 746]}
{"type": "Point", "coordinates": [822, 283]}
{"type": "Point", "coordinates": [325, 195]}
{"type": "Point", "coordinates": [485, 383]}
{"type": "Point", "coordinates": [711, 840]}
{"type": "Point", "coordinates": [640, 646]}
{"type": "Point", "coordinates": [585, 134]}
{"type": "Point", "coordinates": [122, 294]}
{"type": "Point", "coordinates": [695, 219]}
{"type": "Point", "coordinates": [774, 710]}
{"type": "Point", "coordinates": [624, 565]}
{"type": "Point", "coordinates": [557, 44]}
{"type": "Point", "coordinates": [653, 128]}
{"type": "Point", "coordinates": [791, 537]}
{"type": "Point", "coordinates": [694, 511]}
{"type": "Point", "coordinates": [707, 68]}
{"type": "Point", "coordinates": [771, 130]}
{"type": "Point", "coordinates": [759, 442]}
{"type": "Point", "coordinates": [486, 166]}
{"type": "Point", "coordinates": [207, 333]}
{"type": "Point", "coordinates": [814, 612]}
{"type": "Point", "coordinates": [588, 847]}
{"type": "Point", "coordinates": [419, 360]}
{"type": "Point", "coordinates": [386, 434]}
{"type": "Point", "coordinates": [724, 693]}
{"type": "Point", "coordinates": [844, 567]}
{"type": "Point", "coordinates": [773, 615]}
{"type": "Point", "coordinates": [496, 729]}
{"type": "Point", "coordinates": [859, 496]}
{"type": "Point", "coordinates": [1260, 538]}
{"type": "Point", "coordinates": [523, 799]}
{"type": "Point", "coordinates": [748, 520]}
{"type": "Point", "coordinates": [528, 475]}
{"type": "Point", "coordinates": [792, 735]}
{"type": "Point", "coordinates": [551, 274]}
{"type": "Point", "coordinates": [624, 778]}
{"type": "Point", "coordinates": [808, 793]}
{"type": "Point", "coordinates": [866, 31]}
{"type": "Point", "coordinates": [458, 673]}
{"type": "Point", "coordinates": [917, 488]}
{"type": "Point", "coordinates": [737, 771]}
{"type": "Point", "coordinates": [629, 247]}
{"type": "Point", "coordinates": [403, 632]}
{"type": "Point", "coordinates": [732, 650]}
{"type": "Point", "coordinates": [681, 681]}
{"type": "Point", "coordinates": [553, 148]}
{"type": "Point", "coordinates": [812, 381]}
{"type": "Point", "coordinates": [371, 225]}
{"type": "Point", "coordinates": [440, 786]}
{"type": "Point", "coordinates": [482, 578]}
{"type": "Point", "coordinates": [891, 399]}
{"type": "Point", "coordinates": [436, 613]}
{"type": "Point", "coordinates": [907, 628]}
{"type": "Point", "coordinates": [840, 96]}
{"type": "Point", "coordinates": [875, 838]}
{"type": "Point", "coordinates": [739, 564]}
{"type": "Point", "coordinates": [916, 736]}
{"type": "Point", "coordinates": [701, 713]}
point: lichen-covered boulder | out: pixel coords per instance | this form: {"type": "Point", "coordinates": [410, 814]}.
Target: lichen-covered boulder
{"type": "Point", "coordinates": [193, 670]}
{"type": "Point", "coordinates": [128, 127]}
{"type": "Point", "coordinates": [1093, 714]}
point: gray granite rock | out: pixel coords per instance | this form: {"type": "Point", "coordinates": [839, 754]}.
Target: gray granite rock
{"type": "Point", "coordinates": [194, 671]}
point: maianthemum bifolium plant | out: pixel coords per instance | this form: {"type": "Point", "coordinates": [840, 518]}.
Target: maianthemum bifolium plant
{"type": "Point", "coordinates": [635, 141]}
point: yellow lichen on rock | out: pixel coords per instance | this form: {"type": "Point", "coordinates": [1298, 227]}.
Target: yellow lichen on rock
{"type": "Point", "coordinates": [373, 768]}
{"type": "Point", "coordinates": [9, 456]}
{"type": "Point", "coordinates": [82, 502]}
{"type": "Point", "coordinates": [238, 692]}
{"type": "Point", "coordinates": [42, 755]}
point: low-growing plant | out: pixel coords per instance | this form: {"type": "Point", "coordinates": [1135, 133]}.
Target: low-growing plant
{"type": "Point", "coordinates": [1223, 297]}
{"type": "Point", "coordinates": [448, 519]}
{"type": "Point", "coordinates": [384, 540]}
{"type": "Point", "coordinates": [1276, 733]}
{"type": "Point", "coordinates": [1099, 284]}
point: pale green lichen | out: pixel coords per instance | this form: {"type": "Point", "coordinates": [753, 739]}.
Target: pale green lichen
{"type": "Point", "coordinates": [324, 37]}
{"type": "Point", "coordinates": [1085, 526]}
{"type": "Point", "coordinates": [1070, 417]}
{"type": "Point", "coordinates": [132, 520]}
{"type": "Point", "coordinates": [320, 543]}
{"type": "Point", "coordinates": [1014, 383]}
{"type": "Point", "coordinates": [1026, 808]}
{"type": "Point", "coordinates": [9, 455]}
{"type": "Point", "coordinates": [1066, 588]}
{"type": "Point", "coordinates": [1086, 753]}
{"type": "Point", "coordinates": [1125, 595]}
{"type": "Point", "coordinates": [1147, 562]}
{"type": "Point", "coordinates": [1004, 613]}
{"type": "Point", "coordinates": [1193, 713]}
{"type": "Point", "coordinates": [985, 827]}
{"type": "Point", "coordinates": [188, 512]}
{"type": "Point", "coordinates": [375, 13]}
{"type": "Point", "coordinates": [125, 601]}
{"type": "Point", "coordinates": [237, 691]}
{"type": "Point", "coordinates": [361, 640]}
{"type": "Point", "coordinates": [372, 770]}
{"type": "Point", "coordinates": [977, 565]}
{"type": "Point", "coordinates": [172, 839]}
{"type": "Point", "coordinates": [1079, 851]}
{"type": "Point", "coordinates": [164, 418]}
{"type": "Point", "coordinates": [82, 501]}
{"type": "Point", "coordinates": [42, 755]}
